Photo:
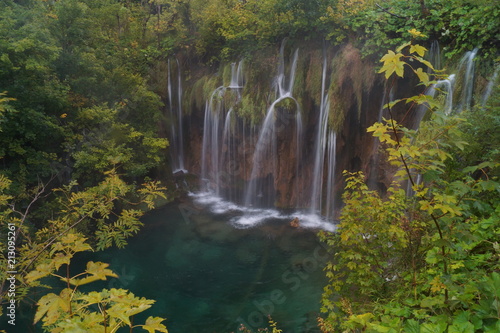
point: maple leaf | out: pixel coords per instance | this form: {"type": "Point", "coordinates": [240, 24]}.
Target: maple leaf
{"type": "Point", "coordinates": [52, 306]}
{"type": "Point", "coordinates": [97, 271]}
{"type": "Point", "coordinates": [425, 62]}
{"type": "Point", "coordinates": [420, 50]}
{"type": "Point", "coordinates": [41, 271]}
{"type": "Point", "coordinates": [154, 324]}
{"type": "Point", "coordinates": [415, 33]}
{"type": "Point", "coordinates": [423, 77]}
{"type": "Point", "coordinates": [392, 64]}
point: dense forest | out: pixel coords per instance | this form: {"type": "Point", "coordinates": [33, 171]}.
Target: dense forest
{"type": "Point", "coordinates": [86, 148]}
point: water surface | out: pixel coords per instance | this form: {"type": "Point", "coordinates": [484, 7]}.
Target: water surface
{"type": "Point", "coordinates": [209, 276]}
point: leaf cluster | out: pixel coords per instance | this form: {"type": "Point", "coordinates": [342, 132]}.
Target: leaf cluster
{"type": "Point", "coordinates": [103, 311]}
{"type": "Point", "coordinates": [108, 214]}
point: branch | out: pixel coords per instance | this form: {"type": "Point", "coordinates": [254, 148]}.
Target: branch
{"type": "Point", "coordinates": [410, 178]}
{"type": "Point", "coordinates": [388, 12]}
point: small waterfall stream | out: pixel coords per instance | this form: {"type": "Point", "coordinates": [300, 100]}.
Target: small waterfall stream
{"type": "Point", "coordinates": [467, 66]}
{"type": "Point", "coordinates": [176, 119]}
{"type": "Point", "coordinates": [260, 189]}
{"type": "Point", "coordinates": [220, 149]}
{"type": "Point", "coordinates": [325, 148]}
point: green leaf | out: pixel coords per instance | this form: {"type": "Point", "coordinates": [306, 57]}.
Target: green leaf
{"type": "Point", "coordinates": [438, 327]}
{"type": "Point", "coordinates": [430, 302]}
{"type": "Point", "coordinates": [412, 326]}
{"type": "Point", "coordinates": [466, 327]}
{"type": "Point", "coordinates": [390, 105]}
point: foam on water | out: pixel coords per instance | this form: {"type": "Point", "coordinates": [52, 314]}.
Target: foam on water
{"type": "Point", "coordinates": [247, 217]}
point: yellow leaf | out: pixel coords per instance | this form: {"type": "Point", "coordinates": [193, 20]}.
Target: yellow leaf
{"type": "Point", "coordinates": [425, 62]}
{"type": "Point", "coordinates": [419, 49]}
{"type": "Point", "coordinates": [415, 33]}
{"type": "Point", "coordinates": [437, 285]}
{"type": "Point", "coordinates": [403, 46]}
{"type": "Point", "coordinates": [422, 76]}
{"type": "Point", "coordinates": [154, 324]}
{"type": "Point", "coordinates": [93, 297]}
{"type": "Point", "coordinates": [391, 57]}
{"type": "Point", "coordinates": [52, 306]}
{"type": "Point", "coordinates": [392, 64]}
{"type": "Point", "coordinates": [41, 271]}
{"type": "Point", "coordinates": [97, 271]}
{"type": "Point", "coordinates": [61, 259]}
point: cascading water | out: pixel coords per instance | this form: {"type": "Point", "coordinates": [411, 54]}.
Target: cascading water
{"type": "Point", "coordinates": [220, 149]}
{"type": "Point", "coordinates": [445, 88]}
{"type": "Point", "coordinates": [459, 84]}
{"type": "Point", "coordinates": [489, 87]}
{"type": "Point", "coordinates": [325, 147]}
{"type": "Point", "coordinates": [236, 75]}
{"type": "Point", "coordinates": [228, 142]}
{"type": "Point", "coordinates": [332, 160]}
{"type": "Point", "coordinates": [449, 88]}
{"type": "Point", "coordinates": [176, 128]}
{"type": "Point", "coordinates": [434, 55]}
{"type": "Point", "coordinates": [374, 169]}
{"type": "Point", "coordinates": [467, 84]}
{"type": "Point", "coordinates": [250, 169]}
{"type": "Point", "coordinates": [261, 185]}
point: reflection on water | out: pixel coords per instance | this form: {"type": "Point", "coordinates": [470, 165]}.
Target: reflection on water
{"type": "Point", "coordinates": [208, 276]}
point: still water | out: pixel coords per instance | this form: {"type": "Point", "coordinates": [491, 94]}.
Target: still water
{"type": "Point", "coordinates": [209, 276]}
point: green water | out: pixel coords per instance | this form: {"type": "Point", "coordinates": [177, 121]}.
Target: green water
{"type": "Point", "coordinates": [208, 276]}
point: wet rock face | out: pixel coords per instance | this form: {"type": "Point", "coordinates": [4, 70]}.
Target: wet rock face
{"type": "Point", "coordinates": [285, 171]}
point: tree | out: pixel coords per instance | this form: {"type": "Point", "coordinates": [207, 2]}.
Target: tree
{"type": "Point", "coordinates": [103, 311]}
{"type": "Point", "coordinates": [106, 214]}
{"type": "Point", "coordinates": [427, 260]}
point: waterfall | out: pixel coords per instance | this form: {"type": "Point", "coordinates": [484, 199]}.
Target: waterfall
{"type": "Point", "coordinates": [265, 150]}
{"type": "Point", "coordinates": [463, 81]}
{"type": "Point", "coordinates": [289, 159]}
{"type": "Point", "coordinates": [459, 84]}
{"type": "Point", "coordinates": [298, 153]}
{"type": "Point", "coordinates": [467, 84]}
{"type": "Point", "coordinates": [434, 55]}
{"type": "Point", "coordinates": [446, 86]}
{"type": "Point", "coordinates": [236, 75]}
{"type": "Point", "coordinates": [179, 116]}
{"type": "Point", "coordinates": [260, 190]}
{"type": "Point", "coordinates": [489, 87]}
{"type": "Point", "coordinates": [374, 168]}
{"type": "Point", "coordinates": [325, 147]}
{"type": "Point", "coordinates": [211, 149]}
{"type": "Point", "coordinates": [175, 113]}
{"type": "Point", "coordinates": [330, 189]}
{"type": "Point", "coordinates": [219, 155]}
